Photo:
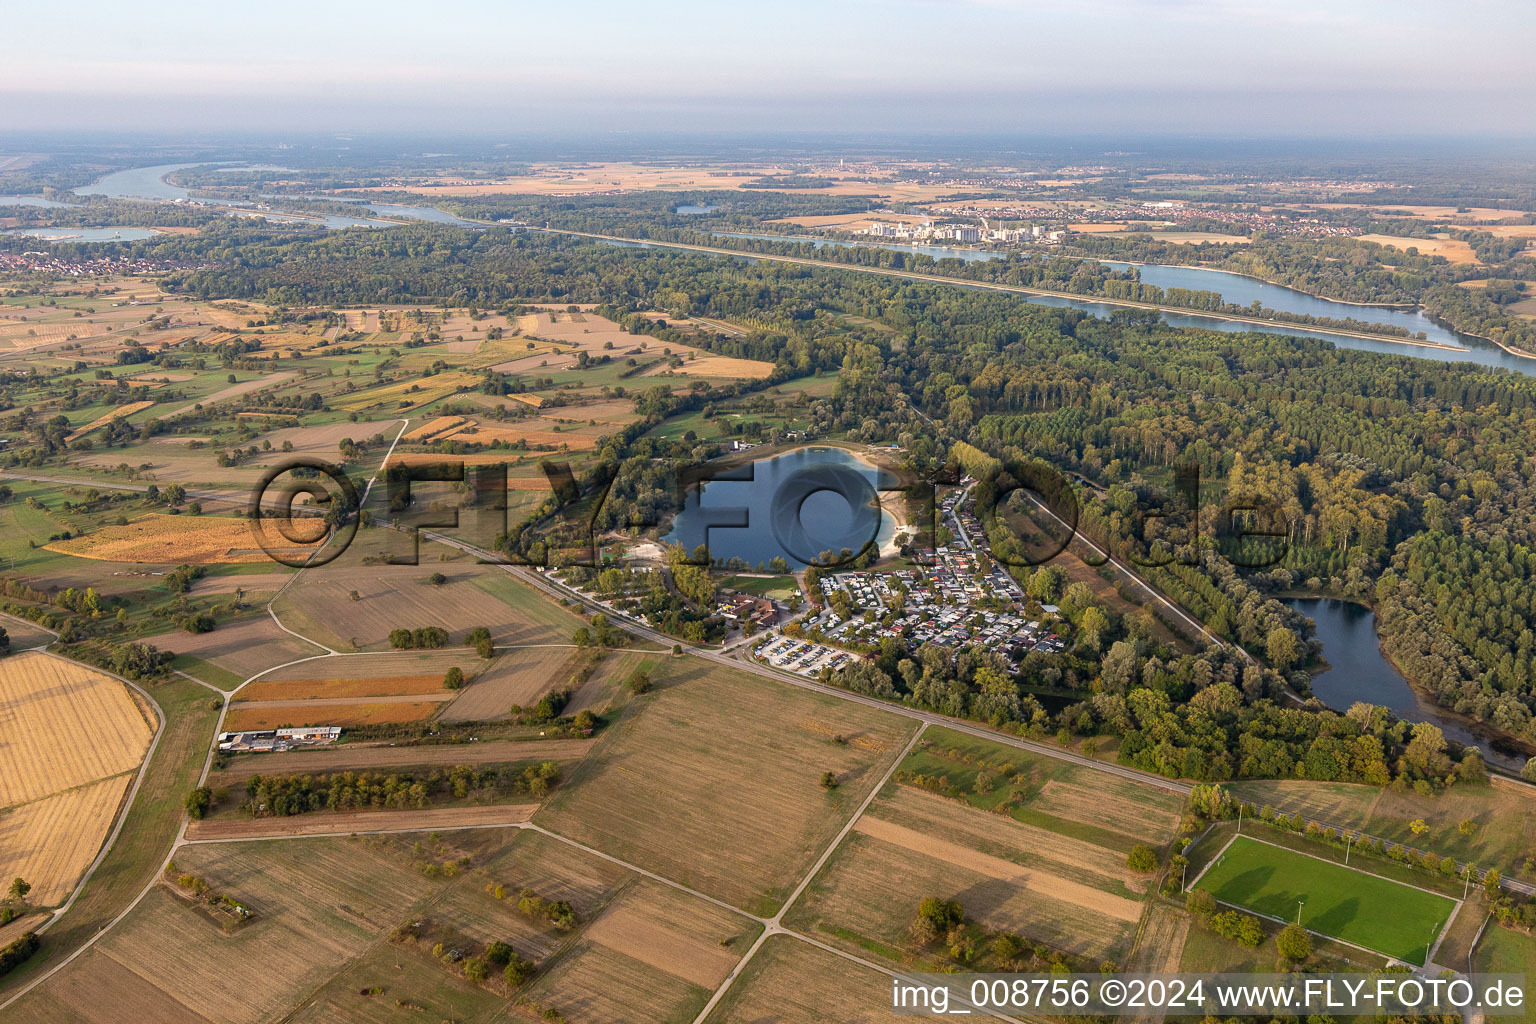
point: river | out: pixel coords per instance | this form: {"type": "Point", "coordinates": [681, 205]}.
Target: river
{"type": "Point", "coordinates": [1358, 671]}
{"type": "Point", "coordinates": [1243, 290]}
{"type": "Point", "coordinates": [149, 184]}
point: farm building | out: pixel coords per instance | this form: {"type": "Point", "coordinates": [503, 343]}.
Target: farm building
{"type": "Point", "coordinates": [279, 739]}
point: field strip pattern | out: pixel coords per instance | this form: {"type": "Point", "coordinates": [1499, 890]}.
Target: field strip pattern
{"type": "Point", "coordinates": [50, 842]}
{"type": "Point", "coordinates": [626, 930]}
{"type": "Point", "coordinates": [933, 812]}
{"type": "Point", "coordinates": [1063, 889]}
{"type": "Point", "coordinates": [321, 823]}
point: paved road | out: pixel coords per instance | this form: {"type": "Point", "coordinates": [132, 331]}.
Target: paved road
{"type": "Point", "coordinates": [743, 661]}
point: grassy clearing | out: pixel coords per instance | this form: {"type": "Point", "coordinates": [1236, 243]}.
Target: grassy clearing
{"type": "Point", "coordinates": [1341, 902]}
{"type": "Point", "coordinates": [1057, 796]}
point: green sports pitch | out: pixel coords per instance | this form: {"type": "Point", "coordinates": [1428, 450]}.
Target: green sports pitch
{"type": "Point", "coordinates": [1340, 902]}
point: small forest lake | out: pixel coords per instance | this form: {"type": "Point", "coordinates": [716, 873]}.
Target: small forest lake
{"type": "Point", "coordinates": [792, 506]}
{"type": "Point", "coordinates": [1358, 671]}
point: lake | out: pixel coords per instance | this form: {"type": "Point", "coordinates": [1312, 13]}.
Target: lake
{"type": "Point", "coordinates": [1238, 288]}
{"type": "Point", "coordinates": [1358, 671]}
{"type": "Point", "coordinates": [792, 506]}
{"type": "Point", "coordinates": [691, 208]}
{"type": "Point", "coordinates": [87, 234]}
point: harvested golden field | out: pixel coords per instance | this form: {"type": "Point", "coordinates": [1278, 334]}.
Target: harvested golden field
{"type": "Point", "coordinates": [331, 689]}
{"type": "Point", "coordinates": [789, 980]}
{"type": "Point", "coordinates": [1197, 237]}
{"type": "Point", "coordinates": [433, 428]}
{"type": "Point", "coordinates": [715, 781]}
{"type": "Point", "coordinates": [1456, 252]}
{"type": "Point", "coordinates": [63, 725]}
{"type": "Point", "coordinates": [716, 366]}
{"type": "Point", "coordinates": [554, 436]}
{"type": "Point", "coordinates": [127, 409]}
{"type": "Point", "coordinates": [163, 539]}
{"type": "Point", "coordinates": [296, 713]}
{"type": "Point", "coordinates": [363, 757]}
{"type": "Point", "coordinates": [19, 334]}
{"type": "Point", "coordinates": [322, 822]}
{"type": "Point", "coordinates": [50, 842]}
{"type": "Point", "coordinates": [519, 676]}
{"type": "Point", "coordinates": [71, 740]}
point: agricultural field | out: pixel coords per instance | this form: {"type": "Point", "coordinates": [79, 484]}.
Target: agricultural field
{"type": "Point", "coordinates": [242, 647]}
{"type": "Point", "coordinates": [193, 460]}
{"type": "Point", "coordinates": [320, 604]}
{"type": "Point", "coordinates": [606, 683]}
{"type": "Point", "coordinates": [321, 823]}
{"type": "Point", "coordinates": [650, 953]}
{"type": "Point", "coordinates": [719, 760]}
{"type": "Point", "coordinates": [1344, 903]}
{"type": "Point", "coordinates": [517, 676]}
{"type": "Point", "coordinates": [788, 980]}
{"type": "Point", "coordinates": [160, 539]}
{"type": "Point", "coordinates": [1024, 844]}
{"type": "Point", "coordinates": [285, 714]}
{"type": "Point", "coordinates": [1502, 816]}
{"type": "Point", "coordinates": [50, 842]}
{"type": "Point", "coordinates": [1456, 252]}
{"type": "Point", "coordinates": [73, 740]}
{"type": "Point", "coordinates": [317, 904]}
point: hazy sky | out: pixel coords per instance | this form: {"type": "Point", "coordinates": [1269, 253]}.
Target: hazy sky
{"type": "Point", "coordinates": [1330, 67]}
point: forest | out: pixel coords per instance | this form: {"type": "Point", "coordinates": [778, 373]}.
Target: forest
{"type": "Point", "coordinates": [1404, 484]}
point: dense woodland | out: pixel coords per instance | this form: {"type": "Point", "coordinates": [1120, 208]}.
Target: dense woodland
{"type": "Point", "coordinates": [1402, 483]}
